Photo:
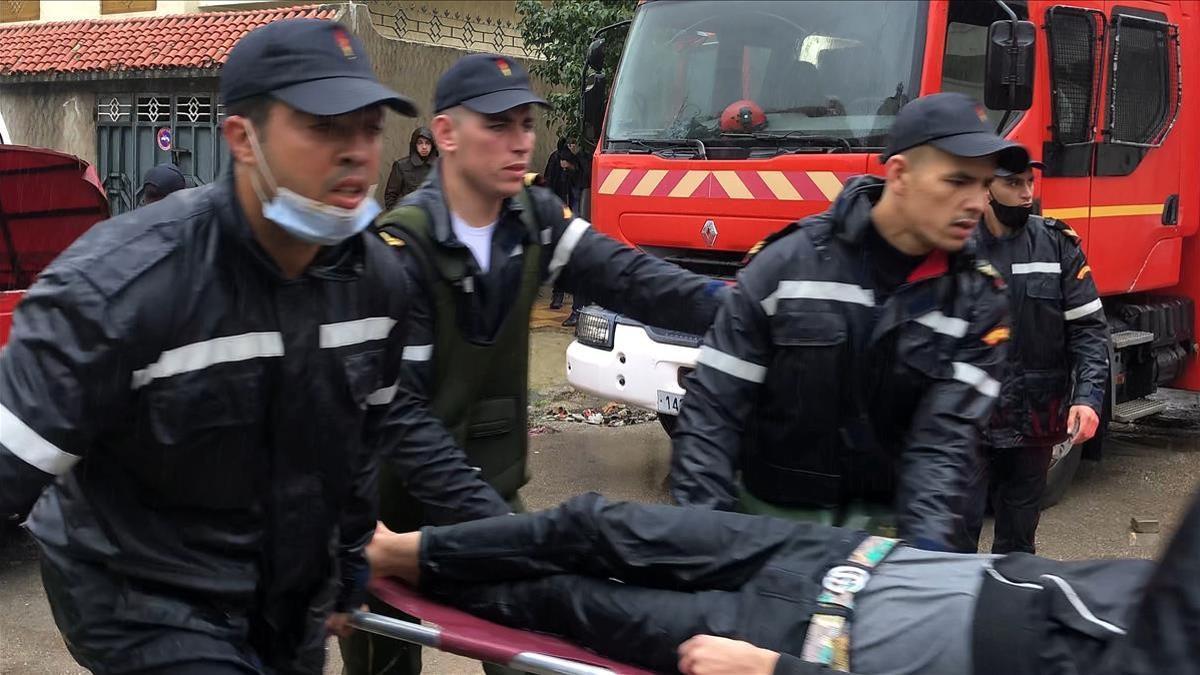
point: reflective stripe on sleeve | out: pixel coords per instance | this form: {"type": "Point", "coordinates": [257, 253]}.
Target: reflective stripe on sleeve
{"type": "Point", "coordinates": [1083, 310]}
{"type": "Point", "coordinates": [976, 377]}
{"type": "Point", "coordinates": [382, 396]}
{"type": "Point", "coordinates": [417, 353]}
{"type": "Point", "coordinates": [22, 441]}
{"type": "Point", "coordinates": [946, 325]}
{"type": "Point", "coordinates": [732, 365]}
{"type": "Point", "coordinates": [566, 246]}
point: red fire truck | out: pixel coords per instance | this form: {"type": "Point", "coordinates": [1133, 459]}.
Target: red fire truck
{"type": "Point", "coordinates": [1094, 88]}
{"type": "Point", "coordinates": [47, 199]}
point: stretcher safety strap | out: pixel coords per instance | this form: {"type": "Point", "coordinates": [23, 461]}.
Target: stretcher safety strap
{"type": "Point", "coordinates": [828, 639]}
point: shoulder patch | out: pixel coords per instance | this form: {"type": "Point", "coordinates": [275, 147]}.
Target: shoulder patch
{"type": "Point", "coordinates": [1061, 226]}
{"type": "Point", "coordinates": [997, 335]}
{"type": "Point", "coordinates": [391, 239]}
{"type": "Point", "coordinates": [769, 239]}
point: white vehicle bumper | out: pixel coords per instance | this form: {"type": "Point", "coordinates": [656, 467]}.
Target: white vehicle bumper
{"type": "Point", "coordinates": [637, 370]}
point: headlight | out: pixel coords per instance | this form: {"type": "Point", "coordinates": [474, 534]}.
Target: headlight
{"type": "Point", "coordinates": [595, 329]}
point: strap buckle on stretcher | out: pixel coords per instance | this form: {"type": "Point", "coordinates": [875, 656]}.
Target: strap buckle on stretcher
{"type": "Point", "coordinates": [828, 638]}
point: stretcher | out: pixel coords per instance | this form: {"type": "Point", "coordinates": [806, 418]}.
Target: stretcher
{"type": "Point", "coordinates": [460, 633]}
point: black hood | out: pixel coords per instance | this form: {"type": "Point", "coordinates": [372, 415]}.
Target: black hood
{"type": "Point", "coordinates": [421, 132]}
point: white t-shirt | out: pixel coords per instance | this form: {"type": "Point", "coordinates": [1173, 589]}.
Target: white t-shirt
{"type": "Point", "coordinates": [477, 239]}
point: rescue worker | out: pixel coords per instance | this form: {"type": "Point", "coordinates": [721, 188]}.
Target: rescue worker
{"type": "Point", "coordinates": [408, 173]}
{"type": "Point", "coordinates": [199, 387]}
{"type": "Point", "coordinates": [484, 244]}
{"type": "Point", "coordinates": [850, 369]}
{"type": "Point", "coordinates": [160, 181]}
{"type": "Point", "coordinates": [1058, 359]}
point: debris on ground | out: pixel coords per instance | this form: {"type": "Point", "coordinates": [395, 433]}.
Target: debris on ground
{"type": "Point", "coordinates": [609, 415]}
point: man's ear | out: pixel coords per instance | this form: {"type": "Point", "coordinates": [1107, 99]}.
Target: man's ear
{"type": "Point", "coordinates": [237, 138]}
{"type": "Point", "coordinates": [445, 134]}
{"type": "Point", "coordinates": [897, 171]}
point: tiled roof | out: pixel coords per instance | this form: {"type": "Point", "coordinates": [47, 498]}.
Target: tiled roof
{"type": "Point", "coordinates": [200, 40]}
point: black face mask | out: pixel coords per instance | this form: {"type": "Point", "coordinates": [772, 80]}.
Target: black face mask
{"type": "Point", "coordinates": [1012, 217]}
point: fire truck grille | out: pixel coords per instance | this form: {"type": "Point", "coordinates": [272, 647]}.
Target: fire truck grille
{"type": "Point", "coordinates": [719, 264]}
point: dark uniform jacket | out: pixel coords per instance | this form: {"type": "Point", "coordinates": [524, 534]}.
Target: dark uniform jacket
{"type": "Point", "coordinates": [574, 255]}
{"type": "Point", "coordinates": [205, 425]}
{"type": "Point", "coordinates": [1059, 351]}
{"type": "Point", "coordinates": [821, 395]}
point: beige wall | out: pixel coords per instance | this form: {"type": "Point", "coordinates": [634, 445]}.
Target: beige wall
{"type": "Point", "coordinates": [76, 10]}
{"type": "Point", "coordinates": [60, 117]}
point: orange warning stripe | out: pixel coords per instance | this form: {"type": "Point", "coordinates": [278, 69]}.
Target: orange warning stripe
{"type": "Point", "coordinates": [725, 184]}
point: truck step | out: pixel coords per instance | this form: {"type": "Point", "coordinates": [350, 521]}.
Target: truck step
{"type": "Point", "coordinates": [1129, 338]}
{"type": "Point", "coordinates": [1137, 409]}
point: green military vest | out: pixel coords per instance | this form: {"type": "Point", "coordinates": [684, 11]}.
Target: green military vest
{"type": "Point", "coordinates": [479, 392]}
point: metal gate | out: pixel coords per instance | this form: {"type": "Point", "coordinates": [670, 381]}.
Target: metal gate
{"type": "Point", "coordinates": [129, 128]}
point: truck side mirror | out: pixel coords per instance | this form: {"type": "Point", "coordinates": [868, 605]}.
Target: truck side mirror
{"type": "Point", "coordinates": [595, 55]}
{"type": "Point", "coordinates": [593, 101]}
{"type": "Point", "coordinates": [1008, 81]}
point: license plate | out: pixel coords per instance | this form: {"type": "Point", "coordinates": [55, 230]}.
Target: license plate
{"type": "Point", "coordinates": [668, 402]}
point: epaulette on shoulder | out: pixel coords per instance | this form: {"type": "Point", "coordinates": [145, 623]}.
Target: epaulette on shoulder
{"type": "Point", "coordinates": [1061, 226]}
{"type": "Point", "coordinates": [532, 179]}
{"type": "Point", "coordinates": [770, 239]}
{"type": "Point", "coordinates": [988, 270]}
{"type": "Point", "coordinates": [391, 238]}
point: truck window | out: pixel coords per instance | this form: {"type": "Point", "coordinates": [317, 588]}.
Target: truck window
{"type": "Point", "coordinates": [1074, 50]}
{"type": "Point", "coordinates": [963, 64]}
{"type": "Point", "coordinates": [1143, 97]}
{"type": "Point", "coordinates": [824, 69]}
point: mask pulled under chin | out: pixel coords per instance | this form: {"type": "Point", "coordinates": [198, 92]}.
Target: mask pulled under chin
{"type": "Point", "coordinates": [1011, 217]}
{"type": "Point", "coordinates": [308, 219]}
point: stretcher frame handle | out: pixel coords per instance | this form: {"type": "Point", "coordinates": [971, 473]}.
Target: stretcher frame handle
{"type": "Point", "coordinates": [529, 662]}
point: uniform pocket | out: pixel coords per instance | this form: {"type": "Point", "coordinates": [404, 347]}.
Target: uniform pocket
{"type": "Point", "coordinates": [202, 442]}
{"type": "Point", "coordinates": [364, 375]}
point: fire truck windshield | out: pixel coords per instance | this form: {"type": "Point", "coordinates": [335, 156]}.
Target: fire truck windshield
{"type": "Point", "coordinates": [767, 73]}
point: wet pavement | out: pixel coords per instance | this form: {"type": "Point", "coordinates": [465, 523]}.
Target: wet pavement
{"type": "Point", "coordinates": [1148, 472]}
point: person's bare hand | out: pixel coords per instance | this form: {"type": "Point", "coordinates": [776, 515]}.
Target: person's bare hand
{"type": "Point", "coordinates": [376, 553]}
{"type": "Point", "coordinates": [711, 655]}
{"type": "Point", "coordinates": [338, 624]}
{"type": "Point", "coordinates": [1083, 423]}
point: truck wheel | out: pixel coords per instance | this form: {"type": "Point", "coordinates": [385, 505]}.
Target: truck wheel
{"type": "Point", "coordinates": [1060, 475]}
{"type": "Point", "coordinates": [668, 423]}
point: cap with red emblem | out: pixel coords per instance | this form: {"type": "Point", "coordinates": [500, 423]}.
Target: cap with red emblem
{"type": "Point", "coordinates": [485, 83]}
{"type": "Point", "coordinates": [312, 65]}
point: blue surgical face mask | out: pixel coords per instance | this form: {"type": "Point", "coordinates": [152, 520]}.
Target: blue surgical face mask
{"type": "Point", "coordinates": [307, 219]}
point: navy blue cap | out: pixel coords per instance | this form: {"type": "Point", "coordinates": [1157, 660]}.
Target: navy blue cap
{"type": "Point", "coordinates": [485, 83]}
{"type": "Point", "coordinates": [315, 66]}
{"type": "Point", "coordinates": [953, 123]}
{"type": "Point", "coordinates": [1033, 164]}
{"type": "Point", "coordinates": [166, 178]}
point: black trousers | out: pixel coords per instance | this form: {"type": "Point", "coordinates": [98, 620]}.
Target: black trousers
{"type": "Point", "coordinates": [1015, 479]}
{"type": "Point", "coordinates": [633, 581]}
{"type": "Point", "coordinates": [114, 625]}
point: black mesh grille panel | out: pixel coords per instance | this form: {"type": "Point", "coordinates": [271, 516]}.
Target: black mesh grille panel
{"type": "Point", "coordinates": [1073, 61]}
{"type": "Point", "coordinates": [1143, 74]}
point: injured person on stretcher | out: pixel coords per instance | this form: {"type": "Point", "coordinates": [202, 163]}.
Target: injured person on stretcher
{"type": "Point", "coordinates": [702, 592]}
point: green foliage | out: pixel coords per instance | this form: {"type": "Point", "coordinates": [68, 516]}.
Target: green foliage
{"type": "Point", "coordinates": [560, 31]}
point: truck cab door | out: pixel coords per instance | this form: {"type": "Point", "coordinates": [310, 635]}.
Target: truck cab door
{"type": "Point", "coordinates": [1071, 71]}
{"type": "Point", "coordinates": [1134, 242]}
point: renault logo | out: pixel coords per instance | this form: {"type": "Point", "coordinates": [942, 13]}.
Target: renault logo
{"type": "Point", "coordinates": [709, 232]}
